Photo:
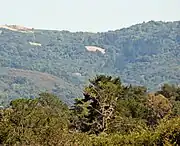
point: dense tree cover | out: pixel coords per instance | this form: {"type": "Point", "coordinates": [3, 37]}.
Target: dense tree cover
{"type": "Point", "coordinates": [110, 113]}
{"type": "Point", "coordinates": [144, 54]}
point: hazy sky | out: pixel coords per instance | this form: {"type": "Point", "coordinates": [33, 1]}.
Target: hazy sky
{"type": "Point", "coordinates": [86, 15]}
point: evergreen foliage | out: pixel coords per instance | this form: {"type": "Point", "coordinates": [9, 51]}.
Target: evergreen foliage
{"type": "Point", "coordinates": [110, 113]}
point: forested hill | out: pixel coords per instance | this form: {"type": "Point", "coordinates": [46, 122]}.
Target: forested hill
{"type": "Point", "coordinates": [144, 54]}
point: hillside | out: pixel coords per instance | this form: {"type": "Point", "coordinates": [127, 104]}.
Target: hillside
{"type": "Point", "coordinates": [25, 83]}
{"type": "Point", "coordinates": [144, 54]}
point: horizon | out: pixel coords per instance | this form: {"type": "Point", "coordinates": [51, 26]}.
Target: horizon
{"type": "Point", "coordinates": [87, 16]}
{"type": "Point", "coordinates": [29, 27]}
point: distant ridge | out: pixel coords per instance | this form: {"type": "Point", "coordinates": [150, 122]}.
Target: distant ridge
{"type": "Point", "coordinates": [17, 28]}
{"type": "Point", "coordinates": [144, 54]}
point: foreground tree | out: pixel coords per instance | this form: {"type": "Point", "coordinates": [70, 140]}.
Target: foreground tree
{"type": "Point", "coordinates": [171, 92]}
{"type": "Point", "coordinates": [33, 120]}
{"type": "Point", "coordinates": [131, 111]}
{"type": "Point", "coordinates": [108, 106]}
{"type": "Point", "coordinates": [94, 112]}
{"type": "Point", "coordinates": [159, 106]}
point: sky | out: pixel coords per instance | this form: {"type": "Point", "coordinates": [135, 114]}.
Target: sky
{"type": "Point", "coordinates": [86, 15]}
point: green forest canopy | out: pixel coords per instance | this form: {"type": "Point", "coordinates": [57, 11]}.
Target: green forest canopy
{"type": "Point", "coordinates": [109, 113]}
{"type": "Point", "coordinates": [143, 54]}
